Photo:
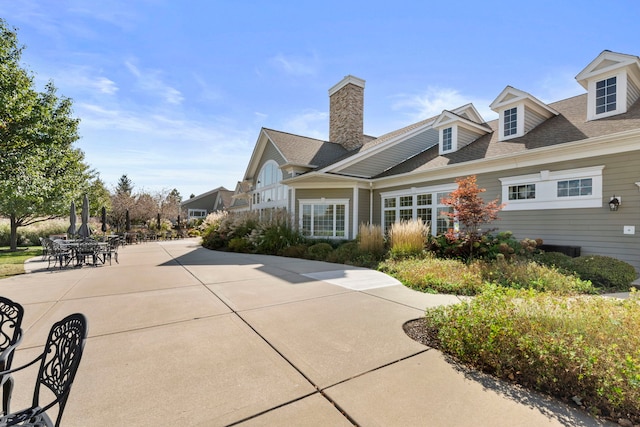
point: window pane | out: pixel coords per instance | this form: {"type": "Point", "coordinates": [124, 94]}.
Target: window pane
{"type": "Point", "coordinates": [444, 222]}
{"type": "Point", "coordinates": [424, 214]}
{"type": "Point", "coordinates": [406, 201]}
{"type": "Point", "coordinates": [406, 214]}
{"type": "Point", "coordinates": [389, 218]}
{"type": "Point", "coordinates": [390, 203]}
{"type": "Point", "coordinates": [424, 199]}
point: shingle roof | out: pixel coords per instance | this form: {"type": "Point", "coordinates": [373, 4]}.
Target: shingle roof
{"type": "Point", "coordinates": [305, 151]}
{"type": "Point", "coordinates": [570, 125]}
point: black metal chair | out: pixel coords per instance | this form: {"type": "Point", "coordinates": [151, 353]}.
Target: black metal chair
{"type": "Point", "coordinates": [58, 366]}
{"type": "Point", "coordinates": [11, 314]}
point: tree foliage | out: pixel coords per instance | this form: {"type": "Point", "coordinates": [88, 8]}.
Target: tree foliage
{"type": "Point", "coordinates": [470, 211]}
{"type": "Point", "coordinates": [40, 170]}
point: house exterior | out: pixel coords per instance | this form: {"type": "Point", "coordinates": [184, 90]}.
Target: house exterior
{"type": "Point", "coordinates": [200, 206]}
{"type": "Point", "coordinates": [556, 166]}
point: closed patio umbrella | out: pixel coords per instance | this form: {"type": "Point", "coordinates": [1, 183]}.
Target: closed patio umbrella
{"type": "Point", "coordinates": [127, 221]}
{"type": "Point", "coordinates": [158, 221]}
{"type": "Point", "coordinates": [104, 220]}
{"type": "Point", "coordinates": [84, 230]}
{"type": "Point", "coordinates": [71, 231]}
{"type": "Point", "coordinates": [178, 222]}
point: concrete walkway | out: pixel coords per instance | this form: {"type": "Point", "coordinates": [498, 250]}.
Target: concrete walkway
{"type": "Point", "coordinates": [183, 336]}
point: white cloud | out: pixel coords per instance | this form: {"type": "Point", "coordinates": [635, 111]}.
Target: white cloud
{"type": "Point", "coordinates": [434, 100]}
{"type": "Point", "coordinates": [151, 82]}
{"type": "Point", "coordinates": [297, 66]}
{"type": "Point", "coordinates": [314, 124]}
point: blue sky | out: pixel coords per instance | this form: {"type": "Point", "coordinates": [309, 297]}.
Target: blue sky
{"type": "Point", "coordinates": [174, 93]}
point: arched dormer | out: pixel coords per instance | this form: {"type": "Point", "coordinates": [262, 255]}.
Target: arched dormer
{"type": "Point", "coordinates": [519, 112]}
{"type": "Point", "coordinates": [612, 81]}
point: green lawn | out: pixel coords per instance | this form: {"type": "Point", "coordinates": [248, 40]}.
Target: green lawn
{"type": "Point", "coordinates": [12, 263]}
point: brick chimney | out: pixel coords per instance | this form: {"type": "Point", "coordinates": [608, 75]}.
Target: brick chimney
{"type": "Point", "coordinates": [346, 111]}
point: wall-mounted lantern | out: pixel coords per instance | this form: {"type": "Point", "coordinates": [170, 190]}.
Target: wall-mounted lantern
{"type": "Point", "coordinates": [615, 203]}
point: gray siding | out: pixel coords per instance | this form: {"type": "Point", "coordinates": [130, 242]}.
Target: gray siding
{"type": "Point", "coordinates": [531, 119]}
{"type": "Point", "coordinates": [270, 153]}
{"type": "Point", "coordinates": [595, 230]}
{"type": "Point", "coordinates": [632, 93]}
{"type": "Point", "coordinates": [465, 137]}
{"type": "Point", "coordinates": [363, 210]}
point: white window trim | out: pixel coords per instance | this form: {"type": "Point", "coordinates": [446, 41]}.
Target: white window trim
{"type": "Point", "coordinates": [413, 191]}
{"type": "Point", "coordinates": [280, 190]}
{"type": "Point", "coordinates": [621, 95]}
{"type": "Point", "coordinates": [454, 139]}
{"type": "Point", "coordinates": [190, 213]}
{"type": "Point", "coordinates": [546, 190]}
{"type": "Point", "coordinates": [323, 201]}
{"type": "Point", "coordinates": [519, 121]}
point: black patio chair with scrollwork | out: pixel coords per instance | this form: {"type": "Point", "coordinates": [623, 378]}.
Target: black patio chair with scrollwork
{"type": "Point", "coordinates": [11, 314]}
{"type": "Point", "coordinates": [59, 363]}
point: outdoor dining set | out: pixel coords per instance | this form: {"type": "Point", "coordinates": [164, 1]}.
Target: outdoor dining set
{"type": "Point", "coordinates": [79, 252]}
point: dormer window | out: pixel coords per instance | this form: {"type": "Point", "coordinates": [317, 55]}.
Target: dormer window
{"type": "Point", "coordinates": [606, 95]}
{"type": "Point", "coordinates": [447, 139]}
{"type": "Point", "coordinates": [511, 121]}
{"type": "Point", "coordinates": [458, 128]}
{"type": "Point", "coordinates": [520, 112]}
{"type": "Point", "coordinates": [612, 81]}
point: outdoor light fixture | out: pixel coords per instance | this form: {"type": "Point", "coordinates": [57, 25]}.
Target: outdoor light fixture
{"type": "Point", "coordinates": [614, 203]}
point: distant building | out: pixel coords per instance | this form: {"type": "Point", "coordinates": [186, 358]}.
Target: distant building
{"type": "Point", "coordinates": [200, 206]}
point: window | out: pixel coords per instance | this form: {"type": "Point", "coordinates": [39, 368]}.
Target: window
{"type": "Point", "coordinates": [447, 140]}
{"type": "Point", "coordinates": [197, 213]}
{"type": "Point", "coordinates": [320, 218]}
{"type": "Point", "coordinates": [520, 192]}
{"type": "Point", "coordinates": [511, 121]}
{"type": "Point", "coordinates": [606, 95]}
{"type": "Point", "coordinates": [575, 187]}
{"type": "Point", "coordinates": [425, 204]}
{"type": "Point", "coordinates": [565, 189]}
{"type": "Point", "coordinates": [269, 193]}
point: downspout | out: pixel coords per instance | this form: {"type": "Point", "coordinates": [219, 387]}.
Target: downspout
{"type": "Point", "coordinates": [370, 203]}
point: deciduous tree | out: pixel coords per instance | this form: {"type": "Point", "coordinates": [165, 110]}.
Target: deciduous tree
{"type": "Point", "coordinates": [40, 170]}
{"type": "Point", "coordinates": [470, 211]}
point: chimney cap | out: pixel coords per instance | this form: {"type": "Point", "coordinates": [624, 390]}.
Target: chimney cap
{"type": "Point", "coordinates": [345, 81]}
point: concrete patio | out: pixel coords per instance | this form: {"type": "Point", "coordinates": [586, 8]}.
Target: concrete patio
{"type": "Point", "coordinates": [184, 336]}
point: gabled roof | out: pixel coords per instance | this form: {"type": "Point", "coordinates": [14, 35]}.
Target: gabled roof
{"type": "Point", "coordinates": [295, 150]}
{"type": "Point", "coordinates": [608, 62]}
{"type": "Point", "coordinates": [568, 126]}
{"type": "Point", "coordinates": [510, 96]}
{"type": "Point", "coordinates": [449, 117]}
{"type": "Point", "coordinates": [203, 195]}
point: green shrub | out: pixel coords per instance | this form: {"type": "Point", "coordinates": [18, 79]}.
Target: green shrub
{"type": "Point", "coordinates": [295, 251]}
{"type": "Point", "coordinates": [276, 234]}
{"type": "Point", "coordinates": [554, 259]}
{"type": "Point", "coordinates": [489, 247]}
{"type": "Point", "coordinates": [525, 274]}
{"type": "Point", "coordinates": [30, 235]}
{"type": "Point", "coordinates": [319, 251]}
{"type": "Point", "coordinates": [586, 347]}
{"type": "Point", "coordinates": [240, 244]}
{"type": "Point", "coordinates": [435, 275]}
{"type": "Point", "coordinates": [407, 238]}
{"type": "Point", "coordinates": [604, 272]}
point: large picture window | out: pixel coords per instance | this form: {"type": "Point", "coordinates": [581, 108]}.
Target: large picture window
{"type": "Point", "coordinates": [425, 204]}
{"type": "Point", "coordinates": [269, 192]}
{"type": "Point", "coordinates": [324, 218]}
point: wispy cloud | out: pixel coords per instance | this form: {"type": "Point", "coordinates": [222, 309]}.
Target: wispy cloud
{"type": "Point", "coordinates": [296, 65]}
{"type": "Point", "coordinates": [151, 82]}
{"type": "Point", "coordinates": [434, 100]}
{"type": "Point", "coordinates": [314, 124]}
